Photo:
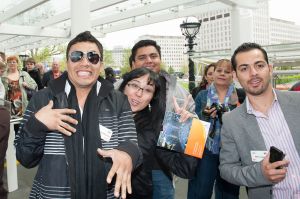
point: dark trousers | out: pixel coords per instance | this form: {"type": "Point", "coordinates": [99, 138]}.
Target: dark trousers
{"type": "Point", "coordinates": [208, 175]}
{"type": "Point", "coordinates": [4, 133]}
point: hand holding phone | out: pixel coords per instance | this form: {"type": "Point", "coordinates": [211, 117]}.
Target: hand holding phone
{"type": "Point", "coordinates": [276, 155]}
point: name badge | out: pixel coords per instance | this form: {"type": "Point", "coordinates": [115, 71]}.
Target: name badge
{"type": "Point", "coordinates": [105, 133]}
{"type": "Point", "coordinates": [258, 156]}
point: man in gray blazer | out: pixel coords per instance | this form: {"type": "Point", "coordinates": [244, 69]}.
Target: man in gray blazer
{"type": "Point", "coordinates": [266, 118]}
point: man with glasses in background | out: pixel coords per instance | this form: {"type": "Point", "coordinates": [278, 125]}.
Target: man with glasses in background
{"type": "Point", "coordinates": [80, 131]}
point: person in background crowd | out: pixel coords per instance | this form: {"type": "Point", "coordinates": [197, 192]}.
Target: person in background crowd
{"type": "Point", "coordinates": [147, 53]}
{"type": "Point", "coordinates": [33, 72]}
{"type": "Point", "coordinates": [15, 82]}
{"type": "Point", "coordinates": [4, 128]}
{"type": "Point", "coordinates": [142, 87]}
{"type": "Point", "coordinates": [267, 118]}
{"type": "Point", "coordinates": [295, 87]}
{"type": "Point", "coordinates": [41, 68]}
{"type": "Point", "coordinates": [66, 124]}
{"type": "Point", "coordinates": [51, 74]}
{"type": "Point", "coordinates": [2, 57]}
{"type": "Point", "coordinates": [207, 79]}
{"type": "Point", "coordinates": [3, 68]}
{"type": "Point", "coordinates": [220, 97]}
{"type": "Point", "coordinates": [2, 88]}
{"type": "Point", "coordinates": [110, 74]}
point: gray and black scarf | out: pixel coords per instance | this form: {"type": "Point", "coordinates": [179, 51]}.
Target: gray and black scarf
{"type": "Point", "coordinates": [86, 167]}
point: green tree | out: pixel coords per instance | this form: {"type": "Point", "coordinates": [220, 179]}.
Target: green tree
{"type": "Point", "coordinates": [184, 69]}
{"type": "Point", "coordinates": [125, 62]}
{"type": "Point", "coordinates": [163, 66]}
{"type": "Point", "coordinates": [107, 58]}
{"type": "Point", "coordinates": [171, 70]}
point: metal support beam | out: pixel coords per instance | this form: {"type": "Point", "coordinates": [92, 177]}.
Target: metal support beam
{"type": "Point", "coordinates": [150, 8]}
{"type": "Point", "coordinates": [152, 19]}
{"type": "Point", "coordinates": [21, 8]}
{"type": "Point", "coordinates": [66, 15]}
{"type": "Point", "coordinates": [33, 31]}
{"type": "Point", "coordinates": [6, 37]}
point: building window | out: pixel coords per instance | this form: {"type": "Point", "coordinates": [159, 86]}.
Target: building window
{"type": "Point", "coordinates": [219, 16]}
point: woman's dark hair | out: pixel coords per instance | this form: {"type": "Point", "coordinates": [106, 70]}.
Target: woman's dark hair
{"type": "Point", "coordinates": [204, 82]}
{"type": "Point", "coordinates": [139, 72]}
{"type": "Point", "coordinates": [156, 105]}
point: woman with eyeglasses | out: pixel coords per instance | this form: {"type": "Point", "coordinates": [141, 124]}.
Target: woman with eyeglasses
{"type": "Point", "coordinates": [15, 82]}
{"type": "Point", "coordinates": [220, 97]}
{"type": "Point", "coordinates": [142, 87]}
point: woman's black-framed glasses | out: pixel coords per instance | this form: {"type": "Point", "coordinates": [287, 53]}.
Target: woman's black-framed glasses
{"type": "Point", "coordinates": [136, 88]}
{"type": "Point", "coordinates": [91, 56]}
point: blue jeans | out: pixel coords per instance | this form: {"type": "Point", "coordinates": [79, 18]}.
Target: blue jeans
{"type": "Point", "coordinates": [207, 174]}
{"type": "Point", "coordinates": [162, 185]}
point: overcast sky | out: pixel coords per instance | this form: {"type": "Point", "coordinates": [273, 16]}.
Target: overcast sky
{"type": "Point", "coordinates": [281, 9]}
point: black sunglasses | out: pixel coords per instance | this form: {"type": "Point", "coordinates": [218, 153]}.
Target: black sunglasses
{"type": "Point", "coordinates": [92, 56]}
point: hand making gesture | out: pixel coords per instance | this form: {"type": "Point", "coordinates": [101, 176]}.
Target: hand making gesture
{"type": "Point", "coordinates": [57, 119]}
{"type": "Point", "coordinates": [122, 167]}
{"type": "Point", "coordinates": [184, 114]}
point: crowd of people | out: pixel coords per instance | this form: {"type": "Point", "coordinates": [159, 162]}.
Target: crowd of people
{"type": "Point", "coordinates": [97, 138]}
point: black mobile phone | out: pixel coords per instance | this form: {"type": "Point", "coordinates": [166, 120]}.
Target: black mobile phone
{"type": "Point", "coordinates": [275, 155]}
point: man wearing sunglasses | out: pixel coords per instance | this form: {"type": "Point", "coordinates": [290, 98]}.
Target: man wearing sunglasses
{"type": "Point", "coordinates": [79, 131]}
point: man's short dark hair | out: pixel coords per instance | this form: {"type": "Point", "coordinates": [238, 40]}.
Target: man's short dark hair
{"type": "Point", "coordinates": [85, 37]}
{"type": "Point", "coordinates": [144, 43]}
{"type": "Point", "coordinates": [30, 60]}
{"type": "Point", "coordinates": [245, 47]}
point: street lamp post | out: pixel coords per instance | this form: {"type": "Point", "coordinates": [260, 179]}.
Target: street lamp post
{"type": "Point", "coordinates": [189, 28]}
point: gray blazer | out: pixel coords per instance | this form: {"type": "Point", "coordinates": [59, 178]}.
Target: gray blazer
{"type": "Point", "coordinates": [240, 134]}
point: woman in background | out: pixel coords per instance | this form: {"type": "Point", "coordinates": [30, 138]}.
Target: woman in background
{"type": "Point", "coordinates": [207, 79]}
{"type": "Point", "coordinates": [220, 97]}
{"type": "Point", "coordinates": [142, 87]}
{"type": "Point", "coordinates": [15, 82]}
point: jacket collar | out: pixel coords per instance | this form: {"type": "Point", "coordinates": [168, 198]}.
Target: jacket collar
{"type": "Point", "coordinates": [58, 85]}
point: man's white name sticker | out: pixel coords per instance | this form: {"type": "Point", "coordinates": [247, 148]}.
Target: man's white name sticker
{"type": "Point", "coordinates": [258, 156]}
{"type": "Point", "coordinates": [105, 133]}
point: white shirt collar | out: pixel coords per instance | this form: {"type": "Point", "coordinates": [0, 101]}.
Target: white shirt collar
{"type": "Point", "coordinates": [249, 107]}
{"type": "Point", "coordinates": [68, 88]}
